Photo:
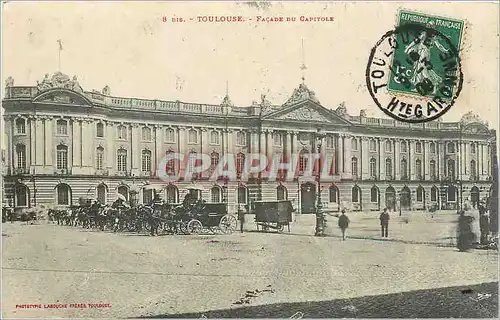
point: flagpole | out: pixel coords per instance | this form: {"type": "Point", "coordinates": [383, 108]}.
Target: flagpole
{"type": "Point", "coordinates": [60, 49]}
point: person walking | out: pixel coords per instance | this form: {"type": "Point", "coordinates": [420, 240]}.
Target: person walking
{"type": "Point", "coordinates": [343, 223]}
{"type": "Point", "coordinates": [484, 224]}
{"type": "Point", "coordinates": [384, 223]}
{"type": "Point", "coordinates": [241, 218]}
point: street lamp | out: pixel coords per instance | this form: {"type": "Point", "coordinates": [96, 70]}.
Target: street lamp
{"type": "Point", "coordinates": [320, 218]}
{"type": "Point", "coordinates": [459, 182]}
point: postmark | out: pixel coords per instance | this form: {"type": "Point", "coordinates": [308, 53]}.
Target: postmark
{"type": "Point", "coordinates": [414, 72]}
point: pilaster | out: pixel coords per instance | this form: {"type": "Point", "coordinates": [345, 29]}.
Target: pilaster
{"type": "Point", "coordinates": [397, 159]}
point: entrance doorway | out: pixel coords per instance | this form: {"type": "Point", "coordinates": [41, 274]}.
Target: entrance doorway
{"type": "Point", "coordinates": [307, 198]}
{"type": "Point", "coordinates": [474, 196]}
{"type": "Point", "coordinates": [390, 199]}
{"type": "Point", "coordinates": [405, 198]}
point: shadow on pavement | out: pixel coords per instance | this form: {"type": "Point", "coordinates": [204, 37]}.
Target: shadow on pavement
{"type": "Point", "coordinates": [477, 301]}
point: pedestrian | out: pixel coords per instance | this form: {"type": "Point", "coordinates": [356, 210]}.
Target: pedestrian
{"type": "Point", "coordinates": [384, 223]}
{"type": "Point", "coordinates": [241, 218]}
{"type": "Point", "coordinates": [483, 224]}
{"type": "Point", "coordinates": [465, 235]}
{"type": "Point", "coordinates": [343, 223]}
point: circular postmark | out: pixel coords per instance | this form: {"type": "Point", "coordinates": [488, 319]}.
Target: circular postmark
{"type": "Point", "coordinates": [414, 73]}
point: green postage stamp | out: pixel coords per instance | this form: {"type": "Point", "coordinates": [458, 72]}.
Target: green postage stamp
{"type": "Point", "coordinates": [426, 58]}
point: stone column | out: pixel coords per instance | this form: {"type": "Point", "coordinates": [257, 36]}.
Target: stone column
{"type": "Point", "coordinates": [426, 161]}
{"type": "Point", "coordinates": [87, 141]}
{"type": "Point", "coordinates": [269, 145]}
{"type": "Point", "coordinates": [440, 165]}
{"type": "Point", "coordinates": [466, 164]}
{"type": "Point", "coordinates": [397, 159]}
{"type": "Point", "coordinates": [339, 161]}
{"type": "Point", "coordinates": [262, 137]}
{"type": "Point", "coordinates": [30, 162]}
{"type": "Point", "coordinates": [159, 151]}
{"type": "Point", "coordinates": [49, 143]}
{"type": "Point", "coordinates": [411, 160]}
{"type": "Point", "coordinates": [77, 143]}
{"type": "Point", "coordinates": [39, 147]}
{"type": "Point", "coordinates": [365, 173]}
{"type": "Point", "coordinates": [288, 147]}
{"type": "Point", "coordinates": [483, 160]}
{"type": "Point", "coordinates": [110, 161]}
{"type": "Point", "coordinates": [381, 161]}
{"type": "Point", "coordinates": [347, 155]}
{"type": "Point", "coordinates": [181, 148]}
{"type": "Point", "coordinates": [134, 151]}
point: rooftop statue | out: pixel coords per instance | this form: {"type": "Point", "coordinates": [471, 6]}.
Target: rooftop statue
{"type": "Point", "coordinates": [59, 80]}
{"type": "Point", "coordinates": [301, 93]}
{"type": "Point", "coordinates": [470, 117]}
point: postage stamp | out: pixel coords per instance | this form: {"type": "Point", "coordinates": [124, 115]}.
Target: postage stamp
{"type": "Point", "coordinates": [414, 72]}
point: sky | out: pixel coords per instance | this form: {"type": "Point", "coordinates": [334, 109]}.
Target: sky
{"type": "Point", "coordinates": [128, 47]}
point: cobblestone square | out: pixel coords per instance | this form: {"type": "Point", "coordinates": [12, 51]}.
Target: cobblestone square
{"type": "Point", "coordinates": [137, 275]}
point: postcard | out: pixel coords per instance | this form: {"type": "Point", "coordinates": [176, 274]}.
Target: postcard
{"type": "Point", "coordinates": [249, 159]}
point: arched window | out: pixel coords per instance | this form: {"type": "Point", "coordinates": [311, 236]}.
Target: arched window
{"type": "Point", "coordinates": [418, 169]}
{"type": "Point", "coordinates": [101, 193]}
{"type": "Point", "coordinates": [432, 169]}
{"type": "Point", "coordinates": [420, 194]}
{"type": "Point", "coordinates": [63, 194]}
{"type": "Point", "coordinates": [388, 167]}
{"type": "Point", "coordinates": [169, 135]}
{"type": "Point", "coordinates": [21, 156]}
{"type": "Point", "coordinates": [214, 161]}
{"type": "Point", "coordinates": [281, 193]}
{"type": "Point", "coordinates": [214, 137]}
{"type": "Point", "coordinates": [20, 126]}
{"type": "Point", "coordinates": [432, 147]}
{"type": "Point", "coordinates": [170, 166]}
{"type": "Point", "coordinates": [241, 138]}
{"type": "Point", "coordinates": [62, 127]}
{"type": "Point", "coordinates": [373, 167]}
{"type": "Point", "coordinates": [356, 194]}
{"type": "Point", "coordinates": [354, 144]}
{"type": "Point", "coordinates": [418, 147]}
{"type": "Point", "coordinates": [240, 164]}
{"type": "Point", "coordinates": [192, 136]}
{"type": "Point", "coordinates": [452, 194]}
{"type": "Point", "coordinates": [146, 134]}
{"type": "Point", "coordinates": [242, 195]}
{"type": "Point", "coordinates": [122, 160]}
{"type": "Point", "coordinates": [388, 146]}
{"type": "Point", "coordinates": [472, 148]}
{"type": "Point", "coordinates": [404, 169]}
{"type": "Point", "coordinates": [354, 166]}
{"type": "Point", "coordinates": [434, 194]}
{"type": "Point", "coordinates": [147, 195]}
{"type": "Point", "coordinates": [172, 194]}
{"type": "Point", "coordinates": [122, 132]}
{"type": "Point", "coordinates": [146, 161]}
{"type": "Point", "coordinates": [99, 160]}
{"type": "Point", "coordinates": [450, 147]}
{"type": "Point", "coordinates": [123, 190]}
{"type": "Point", "coordinates": [100, 130]}
{"type": "Point", "coordinates": [373, 145]}
{"type": "Point", "coordinates": [333, 194]}
{"type": "Point", "coordinates": [21, 195]}
{"type": "Point", "coordinates": [473, 169]}
{"type": "Point", "coordinates": [62, 157]}
{"type": "Point", "coordinates": [303, 158]}
{"type": "Point", "coordinates": [278, 141]}
{"type": "Point", "coordinates": [451, 168]}
{"type": "Point", "coordinates": [216, 194]}
{"type": "Point", "coordinates": [374, 194]}
{"type": "Point", "coordinates": [404, 147]}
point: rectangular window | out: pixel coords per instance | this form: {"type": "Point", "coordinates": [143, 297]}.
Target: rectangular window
{"type": "Point", "coordinates": [170, 135]}
{"type": "Point", "coordinates": [62, 127]}
{"type": "Point", "coordinates": [100, 159]}
{"type": "Point", "coordinates": [21, 126]}
{"type": "Point", "coordinates": [214, 137]}
{"type": "Point", "coordinates": [122, 133]}
{"type": "Point", "coordinates": [192, 136]}
{"type": "Point", "coordinates": [100, 130]}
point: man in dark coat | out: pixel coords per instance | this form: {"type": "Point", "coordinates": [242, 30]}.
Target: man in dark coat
{"type": "Point", "coordinates": [384, 223]}
{"type": "Point", "coordinates": [483, 224]}
{"type": "Point", "coordinates": [241, 218]}
{"type": "Point", "coordinates": [343, 223]}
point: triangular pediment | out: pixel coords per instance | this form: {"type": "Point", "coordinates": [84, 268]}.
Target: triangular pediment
{"type": "Point", "coordinates": [307, 111]}
{"type": "Point", "coordinates": [62, 96]}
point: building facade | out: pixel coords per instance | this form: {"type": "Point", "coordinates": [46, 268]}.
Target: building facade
{"type": "Point", "coordinates": [64, 143]}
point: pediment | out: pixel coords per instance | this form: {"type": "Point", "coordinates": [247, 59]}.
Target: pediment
{"type": "Point", "coordinates": [62, 96]}
{"type": "Point", "coordinates": [477, 127]}
{"type": "Point", "coordinates": [307, 112]}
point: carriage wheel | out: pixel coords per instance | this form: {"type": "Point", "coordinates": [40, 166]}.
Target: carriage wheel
{"type": "Point", "coordinates": [281, 227]}
{"type": "Point", "coordinates": [228, 224]}
{"type": "Point", "coordinates": [194, 227]}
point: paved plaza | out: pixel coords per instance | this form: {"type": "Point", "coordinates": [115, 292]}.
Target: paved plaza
{"type": "Point", "coordinates": [133, 275]}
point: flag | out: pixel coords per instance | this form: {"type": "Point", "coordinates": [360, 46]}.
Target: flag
{"type": "Point", "coordinates": [60, 44]}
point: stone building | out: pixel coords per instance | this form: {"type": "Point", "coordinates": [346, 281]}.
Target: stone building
{"type": "Point", "coordinates": [64, 143]}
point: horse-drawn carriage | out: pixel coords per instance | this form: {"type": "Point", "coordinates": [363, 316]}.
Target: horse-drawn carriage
{"type": "Point", "coordinates": [273, 214]}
